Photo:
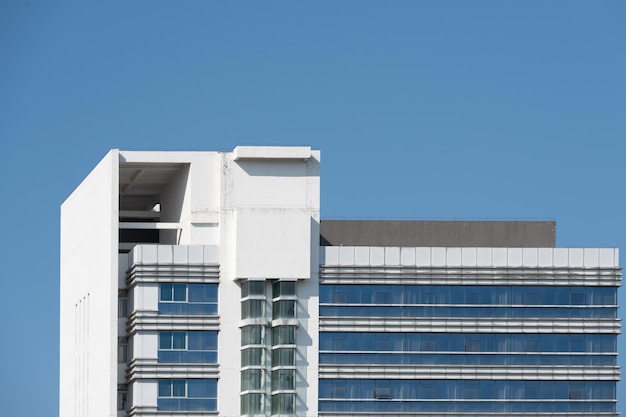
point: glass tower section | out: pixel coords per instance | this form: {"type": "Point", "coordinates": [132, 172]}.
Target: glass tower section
{"type": "Point", "coordinates": [430, 339]}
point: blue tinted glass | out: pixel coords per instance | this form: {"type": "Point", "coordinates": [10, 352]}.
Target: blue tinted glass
{"type": "Point", "coordinates": [178, 388]}
{"type": "Point", "coordinates": [165, 388]}
{"type": "Point", "coordinates": [180, 292]}
{"type": "Point", "coordinates": [165, 340]}
{"type": "Point", "coordinates": [202, 388]}
{"type": "Point", "coordinates": [203, 293]}
{"type": "Point", "coordinates": [166, 292]}
{"type": "Point", "coordinates": [178, 340]}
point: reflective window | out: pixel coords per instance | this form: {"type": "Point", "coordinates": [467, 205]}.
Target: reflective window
{"type": "Point", "coordinates": [468, 294]}
{"type": "Point", "coordinates": [249, 288]}
{"type": "Point", "coordinates": [283, 288]}
{"type": "Point", "coordinates": [187, 395]}
{"type": "Point", "coordinates": [188, 347]}
{"type": "Point", "coordinates": [252, 403]}
{"type": "Point", "coordinates": [251, 379]}
{"type": "Point", "coordinates": [456, 311]}
{"type": "Point", "coordinates": [122, 350]}
{"type": "Point", "coordinates": [122, 400]}
{"type": "Point", "coordinates": [252, 335]}
{"type": "Point", "coordinates": [283, 335]}
{"type": "Point", "coordinates": [466, 389]}
{"type": "Point", "coordinates": [252, 308]}
{"type": "Point", "coordinates": [284, 309]}
{"type": "Point", "coordinates": [283, 403]}
{"type": "Point", "coordinates": [122, 307]}
{"type": "Point", "coordinates": [252, 357]}
{"type": "Point", "coordinates": [467, 342]}
{"type": "Point", "coordinates": [283, 379]}
{"type": "Point", "coordinates": [188, 299]}
{"type": "Point", "coordinates": [574, 407]}
{"type": "Point", "coordinates": [284, 357]}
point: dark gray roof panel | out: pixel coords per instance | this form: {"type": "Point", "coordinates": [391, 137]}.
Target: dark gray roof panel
{"type": "Point", "coordinates": [419, 233]}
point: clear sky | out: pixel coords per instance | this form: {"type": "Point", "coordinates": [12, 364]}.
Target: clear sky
{"type": "Point", "coordinates": [422, 110]}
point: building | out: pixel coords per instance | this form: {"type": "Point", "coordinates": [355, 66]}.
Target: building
{"type": "Point", "coordinates": [204, 283]}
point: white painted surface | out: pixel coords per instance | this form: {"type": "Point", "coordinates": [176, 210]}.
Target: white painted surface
{"type": "Point", "coordinates": [470, 257]}
{"type": "Point", "coordinates": [88, 304]}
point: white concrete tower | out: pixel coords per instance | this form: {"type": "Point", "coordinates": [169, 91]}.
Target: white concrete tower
{"type": "Point", "coordinates": [189, 285]}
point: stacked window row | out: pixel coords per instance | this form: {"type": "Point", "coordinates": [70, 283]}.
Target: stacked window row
{"type": "Point", "coordinates": [476, 395]}
{"type": "Point", "coordinates": [484, 312]}
{"type": "Point", "coordinates": [283, 338]}
{"type": "Point", "coordinates": [468, 294]}
{"type": "Point", "coordinates": [390, 389]}
{"type": "Point", "coordinates": [187, 395]}
{"type": "Point", "coordinates": [284, 341]}
{"type": "Point", "coordinates": [468, 407]}
{"type": "Point", "coordinates": [252, 399]}
{"type": "Point", "coordinates": [188, 299]}
{"type": "Point", "coordinates": [467, 342]}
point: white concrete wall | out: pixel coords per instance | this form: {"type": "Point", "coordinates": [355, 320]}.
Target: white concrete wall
{"type": "Point", "coordinates": [269, 214]}
{"type": "Point", "coordinates": [145, 393]}
{"type": "Point", "coordinates": [88, 304]}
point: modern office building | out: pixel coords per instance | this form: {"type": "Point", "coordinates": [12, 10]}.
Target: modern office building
{"type": "Point", "coordinates": [205, 284]}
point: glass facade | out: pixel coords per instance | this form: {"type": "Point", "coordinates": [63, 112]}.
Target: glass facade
{"type": "Point", "coordinates": [268, 348]}
{"type": "Point", "coordinates": [253, 350]}
{"type": "Point", "coordinates": [466, 352]}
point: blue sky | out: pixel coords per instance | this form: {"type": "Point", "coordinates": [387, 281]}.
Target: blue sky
{"type": "Point", "coordinates": [422, 110]}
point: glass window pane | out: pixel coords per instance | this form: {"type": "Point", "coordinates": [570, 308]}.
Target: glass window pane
{"type": "Point", "coordinates": [178, 388]}
{"type": "Point", "coordinates": [166, 292]}
{"type": "Point", "coordinates": [180, 292]}
{"type": "Point", "coordinates": [256, 287]}
{"type": "Point", "coordinates": [165, 388]}
{"type": "Point", "coordinates": [178, 340]}
{"type": "Point", "coordinates": [165, 340]}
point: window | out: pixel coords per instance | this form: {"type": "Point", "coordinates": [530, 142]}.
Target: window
{"type": "Point", "coordinates": [173, 292]}
{"type": "Point", "coordinates": [284, 335]}
{"type": "Point", "coordinates": [472, 344]}
{"type": "Point", "coordinates": [283, 379]}
{"type": "Point", "coordinates": [472, 297]}
{"type": "Point", "coordinates": [188, 347]}
{"type": "Point", "coordinates": [284, 309]}
{"type": "Point", "coordinates": [284, 288]}
{"type": "Point", "coordinates": [122, 400]}
{"type": "Point", "coordinates": [187, 395]}
{"type": "Point", "coordinates": [251, 379]}
{"type": "Point", "coordinates": [382, 393]}
{"type": "Point", "coordinates": [252, 404]}
{"type": "Point", "coordinates": [283, 403]}
{"type": "Point", "coordinates": [382, 297]}
{"type": "Point", "coordinates": [577, 391]}
{"type": "Point", "coordinates": [122, 307]}
{"type": "Point", "coordinates": [427, 342]}
{"type": "Point", "coordinates": [172, 341]}
{"type": "Point", "coordinates": [172, 388]}
{"type": "Point", "coordinates": [252, 335]}
{"type": "Point", "coordinates": [252, 309]}
{"type": "Point", "coordinates": [382, 342]}
{"type": "Point", "coordinates": [122, 350]}
{"type": "Point", "coordinates": [339, 297]}
{"type": "Point", "coordinates": [252, 357]}
{"type": "Point", "coordinates": [284, 357]}
{"type": "Point", "coordinates": [249, 288]}
{"type": "Point", "coordinates": [188, 299]}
